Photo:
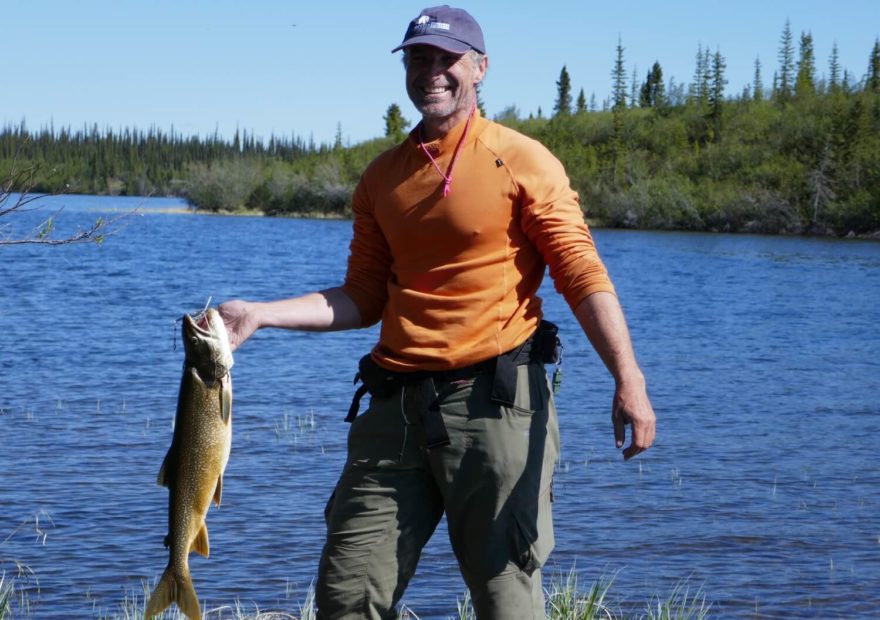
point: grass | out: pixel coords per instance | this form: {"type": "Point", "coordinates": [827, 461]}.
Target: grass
{"type": "Point", "coordinates": [12, 597]}
{"type": "Point", "coordinates": [132, 608]}
{"type": "Point", "coordinates": [566, 600]}
{"type": "Point", "coordinates": [679, 604]}
{"type": "Point", "coordinates": [6, 591]}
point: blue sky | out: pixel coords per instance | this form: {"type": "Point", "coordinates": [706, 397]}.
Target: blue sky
{"type": "Point", "coordinates": [308, 68]}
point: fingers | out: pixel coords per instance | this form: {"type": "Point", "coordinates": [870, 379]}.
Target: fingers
{"type": "Point", "coordinates": [617, 420]}
{"type": "Point", "coordinates": [633, 450]}
{"type": "Point", "coordinates": [234, 315]}
{"type": "Point", "coordinates": [633, 408]}
{"type": "Point", "coordinates": [643, 431]}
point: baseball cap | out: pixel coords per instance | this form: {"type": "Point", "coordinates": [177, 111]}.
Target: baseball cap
{"type": "Point", "coordinates": [452, 30]}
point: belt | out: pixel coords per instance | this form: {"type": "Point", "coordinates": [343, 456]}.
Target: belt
{"type": "Point", "coordinates": [421, 385]}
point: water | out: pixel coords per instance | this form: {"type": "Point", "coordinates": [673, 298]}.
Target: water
{"type": "Point", "coordinates": [763, 488]}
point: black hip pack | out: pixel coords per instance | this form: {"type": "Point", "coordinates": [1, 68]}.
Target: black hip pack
{"type": "Point", "coordinates": [543, 346]}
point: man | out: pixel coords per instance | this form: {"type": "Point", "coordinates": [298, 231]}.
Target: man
{"type": "Point", "coordinates": [453, 229]}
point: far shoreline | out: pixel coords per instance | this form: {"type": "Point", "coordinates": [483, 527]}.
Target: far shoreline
{"type": "Point", "coordinates": [319, 215]}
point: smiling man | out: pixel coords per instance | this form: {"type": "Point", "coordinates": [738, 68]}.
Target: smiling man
{"type": "Point", "coordinates": [453, 230]}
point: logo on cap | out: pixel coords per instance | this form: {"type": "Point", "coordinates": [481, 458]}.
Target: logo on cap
{"type": "Point", "coordinates": [424, 24]}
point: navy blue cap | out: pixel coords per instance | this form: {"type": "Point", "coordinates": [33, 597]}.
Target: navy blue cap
{"type": "Point", "coordinates": [452, 30]}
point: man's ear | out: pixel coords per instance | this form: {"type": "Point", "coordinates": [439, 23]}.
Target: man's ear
{"type": "Point", "coordinates": [482, 67]}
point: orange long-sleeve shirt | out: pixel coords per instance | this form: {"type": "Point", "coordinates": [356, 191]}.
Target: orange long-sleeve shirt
{"type": "Point", "coordinates": [454, 279]}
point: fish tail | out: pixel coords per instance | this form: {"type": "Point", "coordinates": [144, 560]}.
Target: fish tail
{"type": "Point", "coordinates": [174, 589]}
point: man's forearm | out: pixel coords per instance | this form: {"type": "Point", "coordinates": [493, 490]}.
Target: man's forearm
{"type": "Point", "coordinates": [327, 310]}
{"type": "Point", "coordinates": [603, 322]}
{"type": "Point", "coordinates": [602, 319]}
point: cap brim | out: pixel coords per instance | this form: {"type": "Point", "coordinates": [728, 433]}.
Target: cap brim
{"type": "Point", "coordinates": [444, 43]}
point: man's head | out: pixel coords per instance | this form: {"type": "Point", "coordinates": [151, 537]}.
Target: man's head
{"type": "Point", "coordinates": [445, 60]}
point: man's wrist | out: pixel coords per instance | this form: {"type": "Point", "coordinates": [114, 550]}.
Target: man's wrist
{"type": "Point", "coordinates": [629, 376]}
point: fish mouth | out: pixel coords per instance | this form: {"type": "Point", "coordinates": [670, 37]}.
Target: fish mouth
{"type": "Point", "coordinates": [199, 323]}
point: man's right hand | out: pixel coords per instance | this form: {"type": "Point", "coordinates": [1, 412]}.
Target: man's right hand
{"type": "Point", "coordinates": [240, 322]}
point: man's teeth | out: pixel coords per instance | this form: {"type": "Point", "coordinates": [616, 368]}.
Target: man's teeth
{"type": "Point", "coordinates": [435, 91]}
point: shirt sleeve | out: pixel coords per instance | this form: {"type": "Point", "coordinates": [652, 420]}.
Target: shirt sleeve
{"type": "Point", "coordinates": [369, 260]}
{"type": "Point", "coordinates": [552, 219]}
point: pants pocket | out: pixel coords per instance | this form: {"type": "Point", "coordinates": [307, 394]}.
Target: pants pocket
{"type": "Point", "coordinates": [532, 535]}
{"type": "Point", "coordinates": [377, 437]}
{"type": "Point", "coordinates": [532, 392]}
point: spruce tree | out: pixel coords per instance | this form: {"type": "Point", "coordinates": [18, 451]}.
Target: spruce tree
{"type": "Point", "coordinates": [617, 112]}
{"type": "Point", "coordinates": [716, 94]}
{"type": "Point", "coordinates": [618, 76]}
{"type": "Point", "coordinates": [786, 64]}
{"type": "Point", "coordinates": [695, 89]}
{"type": "Point", "coordinates": [337, 141]}
{"type": "Point", "coordinates": [699, 89]}
{"type": "Point", "coordinates": [805, 84]}
{"type": "Point", "coordinates": [563, 94]}
{"type": "Point", "coordinates": [757, 83]}
{"type": "Point", "coordinates": [645, 100]}
{"type": "Point", "coordinates": [872, 81]}
{"type": "Point", "coordinates": [834, 69]}
{"type": "Point", "coordinates": [581, 105]}
{"type": "Point", "coordinates": [634, 87]}
{"type": "Point", "coordinates": [395, 124]}
{"type": "Point", "coordinates": [660, 100]}
{"type": "Point", "coordinates": [653, 91]}
{"type": "Point", "coordinates": [705, 86]}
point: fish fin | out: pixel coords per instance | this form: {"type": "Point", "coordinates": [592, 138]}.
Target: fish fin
{"type": "Point", "coordinates": [226, 398]}
{"type": "Point", "coordinates": [171, 589]}
{"type": "Point", "coordinates": [218, 492]}
{"type": "Point", "coordinates": [162, 478]}
{"type": "Point", "coordinates": [187, 599]}
{"type": "Point", "coordinates": [200, 544]}
{"type": "Point", "coordinates": [162, 596]}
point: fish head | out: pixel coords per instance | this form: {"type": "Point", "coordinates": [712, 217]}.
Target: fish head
{"type": "Point", "coordinates": [206, 344]}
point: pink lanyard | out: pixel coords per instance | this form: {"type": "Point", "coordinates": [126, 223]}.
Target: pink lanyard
{"type": "Point", "coordinates": [447, 178]}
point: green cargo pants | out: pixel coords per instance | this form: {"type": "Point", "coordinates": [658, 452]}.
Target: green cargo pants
{"type": "Point", "coordinates": [493, 481]}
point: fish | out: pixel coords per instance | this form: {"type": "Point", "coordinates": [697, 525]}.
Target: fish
{"type": "Point", "coordinates": [194, 465]}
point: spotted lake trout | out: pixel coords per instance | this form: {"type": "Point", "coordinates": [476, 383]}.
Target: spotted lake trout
{"type": "Point", "coordinates": [193, 468]}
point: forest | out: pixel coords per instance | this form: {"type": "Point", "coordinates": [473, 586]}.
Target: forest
{"type": "Point", "coordinates": [801, 156]}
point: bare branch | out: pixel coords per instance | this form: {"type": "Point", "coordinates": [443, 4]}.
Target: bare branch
{"type": "Point", "coordinates": [19, 184]}
{"type": "Point", "coordinates": [96, 233]}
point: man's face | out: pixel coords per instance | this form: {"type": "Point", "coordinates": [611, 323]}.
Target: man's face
{"type": "Point", "coordinates": [441, 84]}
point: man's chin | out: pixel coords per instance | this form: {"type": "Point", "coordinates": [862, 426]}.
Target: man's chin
{"type": "Point", "coordinates": [433, 110]}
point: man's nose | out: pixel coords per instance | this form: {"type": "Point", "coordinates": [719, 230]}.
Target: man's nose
{"type": "Point", "coordinates": [435, 67]}
{"type": "Point", "coordinates": [437, 64]}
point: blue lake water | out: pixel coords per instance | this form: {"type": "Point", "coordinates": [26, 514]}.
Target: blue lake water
{"type": "Point", "coordinates": [762, 356]}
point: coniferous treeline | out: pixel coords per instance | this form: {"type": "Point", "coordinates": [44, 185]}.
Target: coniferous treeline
{"type": "Point", "coordinates": [129, 161]}
{"type": "Point", "coordinates": [803, 155]}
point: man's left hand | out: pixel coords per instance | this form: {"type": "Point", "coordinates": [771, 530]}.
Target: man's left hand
{"type": "Point", "coordinates": [632, 406]}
